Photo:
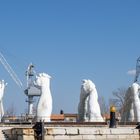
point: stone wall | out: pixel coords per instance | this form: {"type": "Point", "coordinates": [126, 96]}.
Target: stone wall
{"type": "Point", "coordinates": [78, 133]}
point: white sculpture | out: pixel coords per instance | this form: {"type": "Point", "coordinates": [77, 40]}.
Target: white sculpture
{"type": "Point", "coordinates": [131, 109]}
{"type": "Point", "coordinates": [88, 108]}
{"type": "Point", "coordinates": [83, 104]}
{"type": "Point", "coordinates": [44, 107]}
{"type": "Point", "coordinates": [2, 87]}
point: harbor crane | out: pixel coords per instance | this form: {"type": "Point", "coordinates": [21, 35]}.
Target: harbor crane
{"type": "Point", "coordinates": [30, 90]}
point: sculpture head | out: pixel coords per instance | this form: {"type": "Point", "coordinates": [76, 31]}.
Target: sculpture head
{"type": "Point", "coordinates": [42, 79]}
{"type": "Point", "coordinates": [87, 86]}
{"type": "Point", "coordinates": [2, 84]}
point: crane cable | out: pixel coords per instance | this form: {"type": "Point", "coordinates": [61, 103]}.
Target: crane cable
{"type": "Point", "coordinates": [10, 70]}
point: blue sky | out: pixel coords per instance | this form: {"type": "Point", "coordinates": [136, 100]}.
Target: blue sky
{"type": "Point", "coordinates": [70, 40]}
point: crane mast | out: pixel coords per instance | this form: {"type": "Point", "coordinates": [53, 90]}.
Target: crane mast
{"type": "Point", "coordinates": [30, 73]}
{"type": "Point", "coordinates": [31, 90]}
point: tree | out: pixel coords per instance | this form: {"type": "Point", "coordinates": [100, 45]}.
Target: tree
{"type": "Point", "coordinates": [118, 99]}
{"type": "Point", "coordinates": [103, 105]}
{"type": "Point", "coordinates": [11, 111]}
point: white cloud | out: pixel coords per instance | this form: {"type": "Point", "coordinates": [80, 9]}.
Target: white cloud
{"type": "Point", "coordinates": [131, 72]}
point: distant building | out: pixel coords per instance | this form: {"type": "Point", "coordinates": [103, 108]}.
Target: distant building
{"type": "Point", "coordinates": [64, 117]}
{"type": "Point", "coordinates": [57, 117]}
{"type": "Point", "coordinates": [68, 117]}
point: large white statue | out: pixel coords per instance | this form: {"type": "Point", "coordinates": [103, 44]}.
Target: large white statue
{"type": "Point", "coordinates": [131, 109]}
{"type": "Point", "coordinates": [88, 108]}
{"type": "Point", "coordinates": [83, 104]}
{"type": "Point", "coordinates": [2, 87]}
{"type": "Point", "coordinates": [44, 107]}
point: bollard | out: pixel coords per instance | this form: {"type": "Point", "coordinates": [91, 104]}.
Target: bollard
{"type": "Point", "coordinates": [112, 117]}
{"type": "Point", "coordinates": [138, 126]}
{"type": "Point", "coordinates": [39, 130]}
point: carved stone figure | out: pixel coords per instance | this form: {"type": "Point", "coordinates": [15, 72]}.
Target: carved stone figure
{"type": "Point", "coordinates": [88, 108]}
{"type": "Point", "coordinates": [44, 106]}
{"type": "Point", "coordinates": [131, 109]}
{"type": "Point", "coordinates": [2, 87]}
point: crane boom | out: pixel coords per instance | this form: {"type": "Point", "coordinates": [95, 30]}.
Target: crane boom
{"type": "Point", "coordinates": [10, 70]}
